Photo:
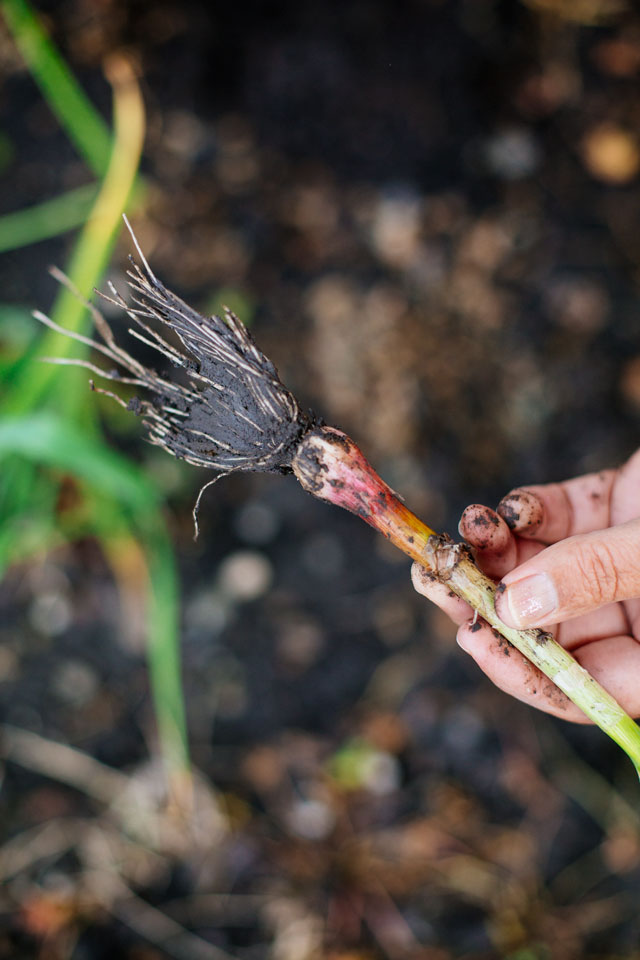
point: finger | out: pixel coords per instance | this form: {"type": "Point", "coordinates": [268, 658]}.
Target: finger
{"type": "Point", "coordinates": [522, 511]}
{"type": "Point", "coordinates": [624, 497]}
{"type": "Point", "coordinates": [489, 535]}
{"type": "Point", "coordinates": [513, 673]}
{"type": "Point", "coordinates": [615, 664]}
{"type": "Point", "coordinates": [573, 577]}
{"type": "Point", "coordinates": [427, 585]}
{"type": "Point", "coordinates": [559, 510]}
{"type": "Point", "coordinates": [632, 611]}
{"type": "Point", "coordinates": [609, 621]}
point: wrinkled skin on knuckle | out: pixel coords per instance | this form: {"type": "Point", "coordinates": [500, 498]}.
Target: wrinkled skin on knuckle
{"type": "Point", "coordinates": [598, 573]}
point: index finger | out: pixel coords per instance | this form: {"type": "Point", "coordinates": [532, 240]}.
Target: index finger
{"type": "Point", "coordinates": [555, 511]}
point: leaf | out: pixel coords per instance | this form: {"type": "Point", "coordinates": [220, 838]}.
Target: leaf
{"type": "Point", "coordinates": [80, 119]}
{"type": "Point", "coordinates": [46, 219]}
{"type": "Point", "coordinates": [45, 438]}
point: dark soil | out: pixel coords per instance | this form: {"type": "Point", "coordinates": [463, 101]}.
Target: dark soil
{"type": "Point", "coordinates": [417, 209]}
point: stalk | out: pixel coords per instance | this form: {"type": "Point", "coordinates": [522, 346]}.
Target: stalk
{"type": "Point", "coordinates": [231, 412]}
{"type": "Point", "coordinates": [330, 466]}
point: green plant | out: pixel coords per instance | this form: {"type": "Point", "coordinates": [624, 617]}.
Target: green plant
{"type": "Point", "coordinates": [235, 414]}
{"type": "Point", "coordinates": [46, 423]}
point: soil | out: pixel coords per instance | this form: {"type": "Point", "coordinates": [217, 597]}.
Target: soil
{"type": "Point", "coordinates": [427, 212]}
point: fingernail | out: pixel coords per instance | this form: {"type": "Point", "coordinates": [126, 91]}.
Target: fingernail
{"type": "Point", "coordinates": [527, 602]}
{"type": "Point", "coordinates": [462, 640]}
{"type": "Point", "coordinates": [521, 510]}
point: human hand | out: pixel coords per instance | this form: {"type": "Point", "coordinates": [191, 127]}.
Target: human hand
{"type": "Point", "coordinates": [567, 556]}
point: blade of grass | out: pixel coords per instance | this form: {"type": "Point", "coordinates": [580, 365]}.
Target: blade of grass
{"type": "Point", "coordinates": [163, 651]}
{"type": "Point", "coordinates": [32, 385]}
{"type": "Point", "coordinates": [47, 219]}
{"type": "Point", "coordinates": [25, 531]}
{"type": "Point", "coordinates": [90, 256]}
{"type": "Point", "coordinates": [85, 127]}
{"type": "Point", "coordinates": [128, 500]}
{"type": "Point", "coordinates": [48, 439]}
{"type": "Point", "coordinates": [147, 536]}
{"type": "Point", "coordinates": [128, 506]}
{"type": "Point", "coordinates": [18, 332]}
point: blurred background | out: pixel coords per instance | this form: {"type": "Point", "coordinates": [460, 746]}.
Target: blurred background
{"type": "Point", "coordinates": [427, 213]}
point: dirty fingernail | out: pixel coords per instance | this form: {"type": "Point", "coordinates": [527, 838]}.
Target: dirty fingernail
{"type": "Point", "coordinates": [521, 510]}
{"type": "Point", "coordinates": [462, 639]}
{"type": "Point", "coordinates": [527, 602]}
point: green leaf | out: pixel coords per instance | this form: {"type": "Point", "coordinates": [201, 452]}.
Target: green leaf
{"type": "Point", "coordinates": [33, 385]}
{"type": "Point", "coordinates": [45, 438]}
{"type": "Point", "coordinates": [46, 219]}
{"type": "Point", "coordinates": [18, 333]}
{"type": "Point", "coordinates": [79, 118]}
{"type": "Point", "coordinates": [17, 326]}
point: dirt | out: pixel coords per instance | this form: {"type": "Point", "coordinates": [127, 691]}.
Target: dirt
{"type": "Point", "coordinates": [522, 511]}
{"type": "Point", "coordinates": [407, 205]}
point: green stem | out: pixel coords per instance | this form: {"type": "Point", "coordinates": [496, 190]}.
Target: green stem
{"type": "Point", "coordinates": [85, 127]}
{"type": "Point", "coordinates": [47, 219]}
{"type": "Point", "coordinates": [92, 250]}
{"type": "Point", "coordinates": [330, 466]}
{"type": "Point", "coordinates": [455, 567]}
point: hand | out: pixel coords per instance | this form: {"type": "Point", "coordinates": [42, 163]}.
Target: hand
{"type": "Point", "coordinates": [568, 558]}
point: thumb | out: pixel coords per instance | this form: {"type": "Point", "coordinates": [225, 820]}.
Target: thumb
{"type": "Point", "coordinates": [572, 577]}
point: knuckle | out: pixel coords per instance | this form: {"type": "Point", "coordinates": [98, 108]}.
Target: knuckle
{"type": "Point", "coordinates": [598, 572]}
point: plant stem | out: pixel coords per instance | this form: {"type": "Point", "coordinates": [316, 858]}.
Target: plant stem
{"type": "Point", "coordinates": [91, 252]}
{"type": "Point", "coordinates": [329, 465]}
{"type": "Point", "coordinates": [47, 219]}
{"type": "Point", "coordinates": [538, 646]}
{"type": "Point", "coordinates": [84, 125]}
